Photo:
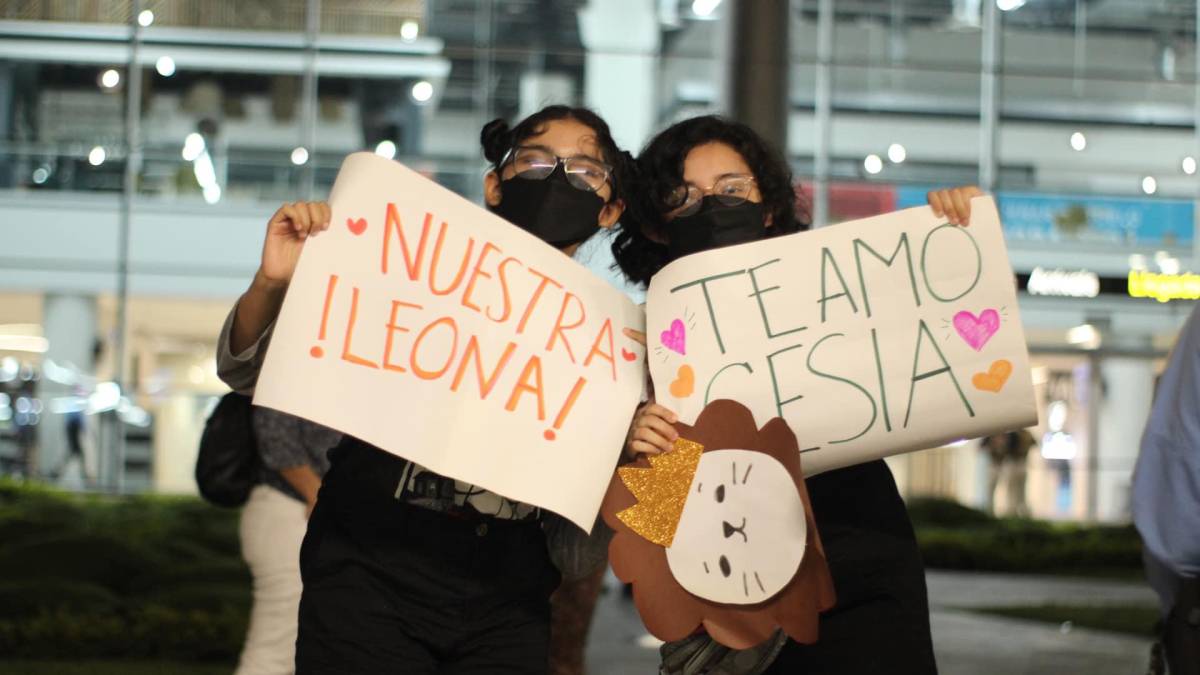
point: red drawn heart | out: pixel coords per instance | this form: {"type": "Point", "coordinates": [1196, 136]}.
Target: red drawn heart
{"type": "Point", "coordinates": [628, 355]}
{"type": "Point", "coordinates": [357, 226]}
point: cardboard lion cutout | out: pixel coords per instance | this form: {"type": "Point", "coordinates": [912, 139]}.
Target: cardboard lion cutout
{"type": "Point", "coordinates": [718, 533]}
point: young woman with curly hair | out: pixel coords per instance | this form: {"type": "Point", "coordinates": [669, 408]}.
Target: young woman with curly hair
{"type": "Point", "coordinates": [708, 182]}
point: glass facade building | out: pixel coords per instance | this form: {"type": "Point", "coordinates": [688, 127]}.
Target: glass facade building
{"type": "Point", "coordinates": [143, 145]}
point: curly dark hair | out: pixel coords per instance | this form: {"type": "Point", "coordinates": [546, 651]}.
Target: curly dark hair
{"type": "Point", "coordinates": [637, 248]}
{"type": "Point", "coordinates": [498, 139]}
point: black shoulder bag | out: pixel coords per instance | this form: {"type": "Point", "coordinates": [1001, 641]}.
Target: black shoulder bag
{"type": "Point", "coordinates": [227, 467]}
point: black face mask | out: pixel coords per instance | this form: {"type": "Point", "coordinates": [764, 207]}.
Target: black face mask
{"type": "Point", "coordinates": [551, 208]}
{"type": "Point", "coordinates": [715, 225]}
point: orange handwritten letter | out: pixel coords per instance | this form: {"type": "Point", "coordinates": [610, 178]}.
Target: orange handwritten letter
{"type": "Point", "coordinates": [434, 374]}
{"type": "Point", "coordinates": [411, 263]}
{"type": "Point", "coordinates": [533, 369]}
{"type": "Point", "coordinates": [485, 384]}
{"type": "Point", "coordinates": [476, 272]}
{"type": "Point", "coordinates": [533, 299]}
{"type": "Point", "coordinates": [437, 257]}
{"type": "Point", "coordinates": [346, 355]}
{"type": "Point", "coordinates": [605, 332]}
{"type": "Point", "coordinates": [559, 326]}
{"type": "Point", "coordinates": [392, 330]}
{"type": "Point", "coordinates": [503, 289]}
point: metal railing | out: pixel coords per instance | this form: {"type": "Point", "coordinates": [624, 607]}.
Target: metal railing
{"type": "Point", "coordinates": [344, 17]}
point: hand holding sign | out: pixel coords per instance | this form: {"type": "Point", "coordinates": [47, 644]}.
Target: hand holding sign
{"type": "Point", "coordinates": [874, 337]}
{"type": "Point", "coordinates": [954, 204]}
{"type": "Point", "coordinates": [287, 231]}
{"type": "Point", "coordinates": [719, 532]}
{"type": "Point", "coordinates": [446, 335]}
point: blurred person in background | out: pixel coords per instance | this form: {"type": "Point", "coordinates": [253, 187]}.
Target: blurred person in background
{"type": "Point", "coordinates": [292, 452]}
{"type": "Point", "coordinates": [80, 431]}
{"type": "Point", "coordinates": [1166, 500]}
{"type": "Point", "coordinates": [26, 421]}
{"type": "Point", "coordinates": [571, 610]}
{"type": "Point", "coordinates": [1008, 455]}
{"type": "Point", "coordinates": [77, 437]}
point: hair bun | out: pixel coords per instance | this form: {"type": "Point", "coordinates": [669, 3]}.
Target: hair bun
{"type": "Point", "coordinates": [496, 139]}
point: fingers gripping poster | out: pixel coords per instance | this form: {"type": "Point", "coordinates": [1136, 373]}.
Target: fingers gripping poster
{"type": "Point", "coordinates": [870, 338]}
{"type": "Point", "coordinates": [425, 325]}
{"type": "Point", "coordinates": [719, 533]}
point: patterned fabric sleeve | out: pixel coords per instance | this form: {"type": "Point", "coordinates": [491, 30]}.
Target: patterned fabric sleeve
{"type": "Point", "coordinates": [701, 655]}
{"type": "Point", "coordinates": [280, 439]}
{"type": "Point", "coordinates": [576, 553]}
{"type": "Point", "coordinates": [240, 371]}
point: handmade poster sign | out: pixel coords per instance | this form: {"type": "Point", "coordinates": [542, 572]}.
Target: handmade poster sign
{"type": "Point", "coordinates": [719, 533]}
{"type": "Point", "coordinates": [425, 325]}
{"type": "Point", "coordinates": [870, 338]}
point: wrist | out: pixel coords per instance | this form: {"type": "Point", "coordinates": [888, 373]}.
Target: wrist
{"type": "Point", "coordinates": [265, 283]}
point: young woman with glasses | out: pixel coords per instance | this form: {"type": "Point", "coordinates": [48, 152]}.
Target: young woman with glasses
{"type": "Point", "coordinates": [705, 183]}
{"type": "Point", "coordinates": [405, 570]}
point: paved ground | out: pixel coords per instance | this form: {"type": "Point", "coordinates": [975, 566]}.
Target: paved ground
{"type": "Point", "coordinates": [967, 589]}
{"type": "Point", "coordinates": [974, 644]}
{"type": "Point", "coordinates": [966, 643]}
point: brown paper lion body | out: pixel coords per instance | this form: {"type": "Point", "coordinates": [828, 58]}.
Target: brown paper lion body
{"type": "Point", "coordinates": [671, 612]}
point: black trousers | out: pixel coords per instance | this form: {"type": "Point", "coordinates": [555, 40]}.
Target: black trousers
{"type": "Point", "coordinates": [1179, 598]}
{"type": "Point", "coordinates": [881, 621]}
{"type": "Point", "coordinates": [394, 588]}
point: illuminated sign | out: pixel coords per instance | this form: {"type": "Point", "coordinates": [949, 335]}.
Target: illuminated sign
{"type": "Point", "coordinates": [1058, 445]}
{"type": "Point", "coordinates": [1164, 287]}
{"type": "Point", "coordinates": [1066, 283]}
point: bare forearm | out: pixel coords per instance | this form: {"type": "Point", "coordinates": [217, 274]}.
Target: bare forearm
{"type": "Point", "coordinates": [304, 480]}
{"type": "Point", "coordinates": [257, 308]}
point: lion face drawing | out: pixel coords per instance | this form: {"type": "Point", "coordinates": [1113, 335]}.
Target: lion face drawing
{"type": "Point", "coordinates": [742, 532]}
{"type": "Point", "coordinates": [718, 533]}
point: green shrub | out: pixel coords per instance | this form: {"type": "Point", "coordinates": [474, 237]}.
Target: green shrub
{"type": "Point", "coordinates": [103, 560]}
{"type": "Point", "coordinates": [211, 597]}
{"type": "Point", "coordinates": [111, 667]}
{"type": "Point", "coordinates": [190, 634]}
{"type": "Point", "coordinates": [64, 633]}
{"type": "Point", "coordinates": [162, 521]}
{"type": "Point", "coordinates": [95, 576]}
{"type": "Point", "coordinates": [940, 512]}
{"type": "Point", "coordinates": [213, 571]}
{"type": "Point", "coordinates": [19, 528]}
{"type": "Point", "coordinates": [214, 529]}
{"type": "Point", "coordinates": [150, 631]}
{"type": "Point", "coordinates": [28, 597]}
{"type": "Point", "coordinates": [1033, 547]}
{"type": "Point", "coordinates": [953, 536]}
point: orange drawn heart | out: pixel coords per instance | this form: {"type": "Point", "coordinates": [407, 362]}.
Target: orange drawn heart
{"type": "Point", "coordinates": [357, 226]}
{"type": "Point", "coordinates": [685, 382]}
{"type": "Point", "coordinates": [994, 379]}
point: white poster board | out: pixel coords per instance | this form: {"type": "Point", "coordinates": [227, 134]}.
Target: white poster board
{"type": "Point", "coordinates": [425, 325]}
{"type": "Point", "coordinates": [871, 338]}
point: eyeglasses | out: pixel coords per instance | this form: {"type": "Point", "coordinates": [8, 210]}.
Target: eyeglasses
{"type": "Point", "coordinates": [730, 190]}
{"type": "Point", "coordinates": [537, 163]}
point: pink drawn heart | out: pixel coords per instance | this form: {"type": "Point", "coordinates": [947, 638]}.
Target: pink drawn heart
{"type": "Point", "coordinates": [976, 331]}
{"type": "Point", "coordinates": [675, 339]}
{"type": "Point", "coordinates": [357, 226]}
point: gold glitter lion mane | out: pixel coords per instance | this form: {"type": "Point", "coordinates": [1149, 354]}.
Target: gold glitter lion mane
{"type": "Point", "coordinates": [668, 610]}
